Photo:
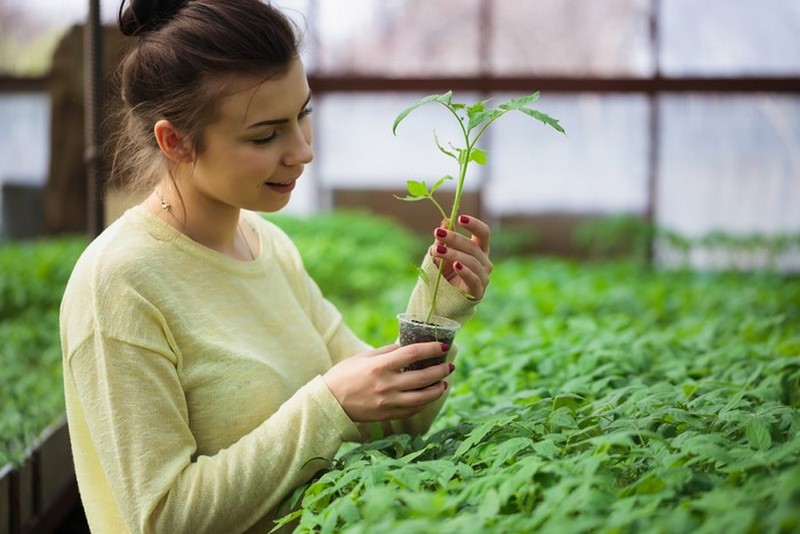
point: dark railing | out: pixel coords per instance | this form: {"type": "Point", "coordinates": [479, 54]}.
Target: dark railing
{"type": "Point", "coordinates": [558, 84]}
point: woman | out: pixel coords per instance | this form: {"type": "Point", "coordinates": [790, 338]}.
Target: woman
{"type": "Point", "coordinates": [205, 375]}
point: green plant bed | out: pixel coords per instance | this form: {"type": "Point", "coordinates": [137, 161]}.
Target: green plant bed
{"type": "Point", "coordinates": [601, 398]}
{"type": "Point", "coordinates": [33, 278]}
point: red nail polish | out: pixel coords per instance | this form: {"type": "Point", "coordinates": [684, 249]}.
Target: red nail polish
{"type": "Point", "coordinates": [452, 367]}
{"type": "Point", "coordinates": [440, 232]}
{"type": "Point", "coordinates": [463, 219]}
{"type": "Point", "coordinates": [441, 249]}
{"type": "Point", "coordinates": [459, 265]}
{"type": "Point", "coordinates": [445, 347]}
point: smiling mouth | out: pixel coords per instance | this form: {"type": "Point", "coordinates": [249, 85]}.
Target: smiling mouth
{"type": "Point", "coordinates": [281, 187]}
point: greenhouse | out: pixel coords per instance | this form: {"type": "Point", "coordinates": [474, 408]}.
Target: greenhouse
{"type": "Point", "coordinates": [627, 357]}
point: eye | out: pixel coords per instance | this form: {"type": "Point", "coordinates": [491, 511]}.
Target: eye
{"type": "Point", "coordinates": [265, 140]}
{"type": "Point", "coordinates": [306, 112]}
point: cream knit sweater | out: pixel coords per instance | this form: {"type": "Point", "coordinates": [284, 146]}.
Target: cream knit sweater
{"type": "Point", "coordinates": [193, 381]}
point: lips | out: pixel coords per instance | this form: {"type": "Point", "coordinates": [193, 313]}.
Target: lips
{"type": "Point", "coordinates": [281, 187]}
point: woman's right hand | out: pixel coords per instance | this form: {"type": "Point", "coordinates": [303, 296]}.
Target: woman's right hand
{"type": "Point", "coordinates": [371, 386]}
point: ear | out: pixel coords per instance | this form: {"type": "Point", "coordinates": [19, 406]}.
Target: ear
{"type": "Point", "coordinates": [171, 142]}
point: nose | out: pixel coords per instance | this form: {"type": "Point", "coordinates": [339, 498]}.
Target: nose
{"type": "Point", "coordinates": [299, 151]}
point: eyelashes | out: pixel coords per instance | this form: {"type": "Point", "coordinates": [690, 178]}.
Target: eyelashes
{"type": "Point", "coordinates": [265, 140]}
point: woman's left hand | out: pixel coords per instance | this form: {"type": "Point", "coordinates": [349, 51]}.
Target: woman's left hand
{"type": "Point", "coordinates": [466, 258]}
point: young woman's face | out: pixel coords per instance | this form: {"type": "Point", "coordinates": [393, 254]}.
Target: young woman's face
{"type": "Point", "coordinates": [256, 148]}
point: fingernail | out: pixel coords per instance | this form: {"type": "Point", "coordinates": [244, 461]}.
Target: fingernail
{"type": "Point", "coordinates": [441, 232]}
{"type": "Point", "coordinates": [459, 266]}
{"type": "Point", "coordinates": [441, 249]}
{"type": "Point", "coordinates": [446, 385]}
{"type": "Point", "coordinates": [452, 367]}
{"type": "Point", "coordinates": [463, 219]}
{"type": "Point", "coordinates": [445, 347]}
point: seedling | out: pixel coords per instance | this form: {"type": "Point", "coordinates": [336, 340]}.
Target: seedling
{"type": "Point", "coordinates": [473, 121]}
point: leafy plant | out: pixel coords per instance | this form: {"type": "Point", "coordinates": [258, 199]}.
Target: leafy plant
{"type": "Point", "coordinates": [473, 121]}
{"type": "Point", "coordinates": [599, 397]}
{"type": "Point", "coordinates": [32, 282]}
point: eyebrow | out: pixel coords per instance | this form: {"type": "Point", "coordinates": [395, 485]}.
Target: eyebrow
{"type": "Point", "coordinates": [271, 122]}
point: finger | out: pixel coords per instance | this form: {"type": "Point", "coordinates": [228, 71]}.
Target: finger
{"type": "Point", "coordinates": [412, 401]}
{"type": "Point", "coordinates": [474, 283]}
{"type": "Point", "coordinates": [419, 351]}
{"type": "Point", "coordinates": [481, 233]}
{"type": "Point", "coordinates": [452, 257]}
{"type": "Point", "coordinates": [422, 378]}
{"type": "Point", "coordinates": [454, 240]}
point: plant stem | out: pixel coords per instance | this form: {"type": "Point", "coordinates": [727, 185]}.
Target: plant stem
{"type": "Point", "coordinates": [462, 173]}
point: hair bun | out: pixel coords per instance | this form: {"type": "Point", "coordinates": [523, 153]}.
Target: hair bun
{"type": "Point", "coordinates": [145, 16]}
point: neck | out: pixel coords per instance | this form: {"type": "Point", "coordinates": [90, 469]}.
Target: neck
{"type": "Point", "coordinates": [213, 225]}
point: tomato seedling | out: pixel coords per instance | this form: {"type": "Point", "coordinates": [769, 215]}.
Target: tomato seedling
{"type": "Point", "coordinates": [473, 121]}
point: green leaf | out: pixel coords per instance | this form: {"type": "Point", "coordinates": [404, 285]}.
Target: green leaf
{"type": "Point", "coordinates": [443, 99]}
{"type": "Point", "coordinates": [442, 149]}
{"type": "Point", "coordinates": [482, 115]}
{"type": "Point", "coordinates": [476, 108]}
{"type": "Point", "coordinates": [478, 433]}
{"type": "Point", "coordinates": [543, 117]}
{"type": "Point", "coordinates": [568, 401]}
{"type": "Point", "coordinates": [517, 103]}
{"type": "Point", "coordinates": [547, 448]}
{"type": "Point", "coordinates": [417, 189]}
{"type": "Point", "coordinates": [490, 505]}
{"type": "Point", "coordinates": [478, 156]}
{"type": "Point", "coordinates": [441, 181]}
{"type": "Point", "coordinates": [757, 433]}
{"type": "Point", "coordinates": [409, 198]}
{"type": "Point", "coordinates": [285, 520]}
{"type": "Point", "coordinates": [509, 450]}
{"type": "Point", "coordinates": [422, 274]}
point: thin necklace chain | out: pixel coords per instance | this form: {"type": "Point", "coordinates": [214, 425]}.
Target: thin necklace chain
{"type": "Point", "coordinates": [167, 207]}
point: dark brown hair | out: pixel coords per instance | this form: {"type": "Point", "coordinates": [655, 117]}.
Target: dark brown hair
{"type": "Point", "coordinates": [187, 50]}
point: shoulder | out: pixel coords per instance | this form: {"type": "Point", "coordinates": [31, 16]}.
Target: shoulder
{"type": "Point", "coordinates": [123, 253]}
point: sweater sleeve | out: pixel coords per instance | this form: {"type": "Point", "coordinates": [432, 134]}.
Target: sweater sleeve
{"type": "Point", "coordinates": [450, 303]}
{"type": "Point", "coordinates": [135, 407]}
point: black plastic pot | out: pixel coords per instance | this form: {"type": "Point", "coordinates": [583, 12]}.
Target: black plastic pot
{"type": "Point", "coordinates": [414, 329]}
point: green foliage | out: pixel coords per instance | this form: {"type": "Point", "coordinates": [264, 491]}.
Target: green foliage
{"type": "Point", "coordinates": [350, 254]}
{"type": "Point", "coordinates": [606, 237]}
{"type": "Point", "coordinates": [32, 280]}
{"type": "Point", "coordinates": [473, 121]}
{"type": "Point", "coordinates": [596, 398]}
{"type": "Point", "coordinates": [603, 397]}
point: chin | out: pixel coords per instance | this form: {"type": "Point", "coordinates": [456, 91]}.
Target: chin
{"type": "Point", "coordinates": [274, 204]}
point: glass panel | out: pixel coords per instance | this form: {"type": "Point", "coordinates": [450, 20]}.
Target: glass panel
{"type": "Point", "coordinates": [601, 37]}
{"type": "Point", "coordinates": [397, 37]}
{"type": "Point", "coordinates": [24, 137]}
{"type": "Point", "coordinates": [730, 164]}
{"type": "Point", "coordinates": [600, 166]}
{"type": "Point", "coordinates": [720, 37]}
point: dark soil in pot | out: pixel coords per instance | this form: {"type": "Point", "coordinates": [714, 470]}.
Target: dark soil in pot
{"type": "Point", "coordinates": [414, 329]}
